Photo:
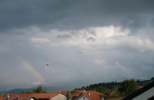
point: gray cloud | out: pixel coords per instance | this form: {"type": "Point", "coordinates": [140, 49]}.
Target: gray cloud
{"type": "Point", "coordinates": [21, 13]}
{"type": "Point", "coordinates": [73, 14]}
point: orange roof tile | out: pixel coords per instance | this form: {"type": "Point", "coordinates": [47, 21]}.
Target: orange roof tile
{"type": "Point", "coordinates": [24, 96]}
{"type": "Point", "coordinates": [1, 98]}
{"type": "Point", "coordinates": [43, 95]}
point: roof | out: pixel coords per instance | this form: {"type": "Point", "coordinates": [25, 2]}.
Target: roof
{"type": "Point", "coordinates": [43, 95]}
{"type": "Point", "coordinates": [34, 95]}
{"type": "Point", "coordinates": [1, 98]}
{"type": "Point", "coordinates": [92, 95]}
{"type": "Point", "coordinates": [140, 91]}
{"type": "Point", "coordinates": [77, 92]}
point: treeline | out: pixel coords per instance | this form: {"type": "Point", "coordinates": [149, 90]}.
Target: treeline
{"type": "Point", "coordinates": [117, 88]}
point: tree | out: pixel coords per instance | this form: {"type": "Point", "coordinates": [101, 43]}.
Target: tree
{"type": "Point", "coordinates": [39, 89]}
{"type": "Point", "coordinates": [127, 87]}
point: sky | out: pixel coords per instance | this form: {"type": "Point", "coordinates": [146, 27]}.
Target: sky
{"type": "Point", "coordinates": [71, 43]}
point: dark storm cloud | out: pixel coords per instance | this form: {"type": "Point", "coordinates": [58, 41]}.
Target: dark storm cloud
{"type": "Point", "coordinates": [23, 13]}
{"type": "Point", "coordinates": [70, 13]}
{"type": "Point", "coordinates": [128, 6]}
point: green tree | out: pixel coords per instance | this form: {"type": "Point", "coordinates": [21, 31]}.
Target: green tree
{"type": "Point", "coordinates": [39, 89]}
{"type": "Point", "coordinates": [127, 87]}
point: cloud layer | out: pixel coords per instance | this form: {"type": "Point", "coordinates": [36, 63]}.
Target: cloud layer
{"type": "Point", "coordinates": [67, 43]}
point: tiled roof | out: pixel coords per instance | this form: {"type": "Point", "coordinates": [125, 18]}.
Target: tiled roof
{"type": "Point", "coordinates": [1, 98]}
{"type": "Point", "coordinates": [43, 95]}
{"type": "Point", "coordinates": [25, 96]}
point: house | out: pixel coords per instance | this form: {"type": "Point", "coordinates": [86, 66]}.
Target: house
{"type": "Point", "coordinates": [87, 95]}
{"type": "Point", "coordinates": [144, 93]}
{"type": "Point", "coordinates": [35, 96]}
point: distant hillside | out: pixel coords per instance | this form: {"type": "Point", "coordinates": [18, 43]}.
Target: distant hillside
{"type": "Point", "coordinates": [19, 90]}
{"type": "Point", "coordinates": [25, 90]}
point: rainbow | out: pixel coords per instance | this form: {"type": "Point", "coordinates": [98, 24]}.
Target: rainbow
{"type": "Point", "coordinates": [32, 69]}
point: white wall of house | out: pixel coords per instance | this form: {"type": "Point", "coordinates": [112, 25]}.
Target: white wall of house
{"type": "Point", "coordinates": [146, 95]}
{"type": "Point", "coordinates": [83, 98]}
{"type": "Point", "coordinates": [59, 97]}
{"type": "Point", "coordinates": [102, 98]}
